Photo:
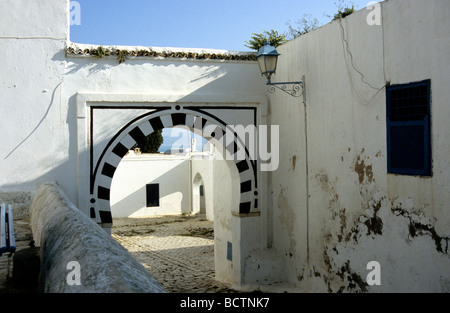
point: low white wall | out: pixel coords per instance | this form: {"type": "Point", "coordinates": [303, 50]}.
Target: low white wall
{"type": "Point", "coordinates": [65, 234]}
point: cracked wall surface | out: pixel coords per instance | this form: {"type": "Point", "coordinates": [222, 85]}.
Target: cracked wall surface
{"type": "Point", "coordinates": [349, 210]}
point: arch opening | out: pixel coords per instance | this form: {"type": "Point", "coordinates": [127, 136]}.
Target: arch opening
{"type": "Point", "coordinates": [209, 127]}
{"type": "Point", "coordinates": [198, 195]}
{"type": "Point", "coordinates": [189, 183]}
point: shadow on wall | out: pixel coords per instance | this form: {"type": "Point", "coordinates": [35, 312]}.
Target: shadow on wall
{"type": "Point", "coordinates": [99, 72]}
{"type": "Point", "coordinates": [174, 189]}
{"type": "Point", "coordinates": [59, 162]}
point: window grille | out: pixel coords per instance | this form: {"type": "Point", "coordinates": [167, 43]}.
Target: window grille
{"type": "Point", "coordinates": [408, 128]}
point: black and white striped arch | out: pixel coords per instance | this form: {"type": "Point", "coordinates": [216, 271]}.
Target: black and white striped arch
{"type": "Point", "coordinates": [103, 172]}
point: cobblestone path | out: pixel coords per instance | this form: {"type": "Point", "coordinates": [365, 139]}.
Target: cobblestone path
{"type": "Point", "coordinates": [177, 250]}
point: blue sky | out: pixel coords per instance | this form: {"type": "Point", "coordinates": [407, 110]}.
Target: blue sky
{"type": "Point", "coordinates": [178, 138]}
{"type": "Point", "coordinates": [193, 23]}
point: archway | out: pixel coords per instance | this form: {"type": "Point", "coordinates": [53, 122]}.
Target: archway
{"type": "Point", "coordinates": [202, 122]}
{"type": "Point", "coordinates": [198, 195]}
{"type": "Point", "coordinates": [107, 128]}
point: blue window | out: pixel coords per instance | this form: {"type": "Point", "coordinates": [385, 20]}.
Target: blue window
{"type": "Point", "coordinates": [408, 128]}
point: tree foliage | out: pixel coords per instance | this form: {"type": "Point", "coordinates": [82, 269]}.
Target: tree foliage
{"type": "Point", "coordinates": [344, 12]}
{"type": "Point", "coordinates": [298, 28]}
{"type": "Point", "coordinates": [303, 26]}
{"type": "Point", "coordinates": [258, 40]}
{"type": "Point", "coordinates": [151, 143]}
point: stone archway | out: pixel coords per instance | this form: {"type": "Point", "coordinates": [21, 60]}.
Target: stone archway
{"type": "Point", "coordinates": [108, 125]}
{"type": "Point", "coordinates": [126, 138]}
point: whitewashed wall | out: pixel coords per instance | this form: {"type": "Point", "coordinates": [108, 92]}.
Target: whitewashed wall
{"type": "Point", "coordinates": [339, 210]}
{"type": "Point", "coordinates": [45, 136]}
{"type": "Point", "coordinates": [39, 84]}
{"type": "Point", "coordinates": [35, 127]}
{"type": "Point", "coordinates": [128, 192]}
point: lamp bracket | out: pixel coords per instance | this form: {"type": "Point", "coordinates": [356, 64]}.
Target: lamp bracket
{"type": "Point", "coordinates": [295, 89]}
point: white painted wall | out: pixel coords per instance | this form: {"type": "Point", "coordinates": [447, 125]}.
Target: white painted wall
{"type": "Point", "coordinates": [39, 84]}
{"type": "Point", "coordinates": [171, 172]}
{"type": "Point", "coordinates": [35, 128]}
{"type": "Point", "coordinates": [321, 215]}
{"type": "Point", "coordinates": [177, 176]}
{"type": "Point", "coordinates": [45, 136]}
{"type": "Point", "coordinates": [225, 175]}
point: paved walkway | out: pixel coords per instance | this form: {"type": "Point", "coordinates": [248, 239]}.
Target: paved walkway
{"type": "Point", "coordinates": [177, 250]}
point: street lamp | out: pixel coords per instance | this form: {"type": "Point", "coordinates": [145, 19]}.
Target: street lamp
{"type": "Point", "coordinates": [268, 60]}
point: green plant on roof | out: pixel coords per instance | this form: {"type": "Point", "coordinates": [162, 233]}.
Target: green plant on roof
{"type": "Point", "coordinates": [122, 55]}
{"type": "Point", "coordinates": [258, 40]}
{"type": "Point", "coordinates": [344, 12]}
{"type": "Point", "coordinates": [101, 52]}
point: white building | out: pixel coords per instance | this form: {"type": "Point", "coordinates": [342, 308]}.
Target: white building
{"type": "Point", "coordinates": [163, 184]}
{"type": "Point", "coordinates": [346, 191]}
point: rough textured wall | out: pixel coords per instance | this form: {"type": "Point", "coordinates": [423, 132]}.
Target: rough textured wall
{"type": "Point", "coordinates": [335, 207]}
{"type": "Point", "coordinates": [65, 234]}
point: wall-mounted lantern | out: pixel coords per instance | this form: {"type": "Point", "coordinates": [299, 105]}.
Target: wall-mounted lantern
{"type": "Point", "coordinates": [268, 60]}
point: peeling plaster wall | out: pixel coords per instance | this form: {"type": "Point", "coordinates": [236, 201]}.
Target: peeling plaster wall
{"type": "Point", "coordinates": [355, 212]}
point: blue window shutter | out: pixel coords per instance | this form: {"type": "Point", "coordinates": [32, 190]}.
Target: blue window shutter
{"type": "Point", "coordinates": [408, 129]}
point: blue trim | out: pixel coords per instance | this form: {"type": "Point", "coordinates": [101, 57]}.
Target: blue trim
{"type": "Point", "coordinates": [426, 170]}
{"type": "Point", "coordinates": [229, 251]}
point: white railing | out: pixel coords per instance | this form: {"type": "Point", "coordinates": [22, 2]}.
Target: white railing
{"type": "Point", "coordinates": [7, 236]}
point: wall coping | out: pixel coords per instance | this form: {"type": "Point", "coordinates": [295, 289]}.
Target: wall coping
{"type": "Point", "coordinates": [132, 52]}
